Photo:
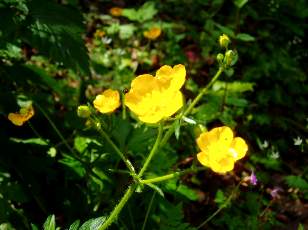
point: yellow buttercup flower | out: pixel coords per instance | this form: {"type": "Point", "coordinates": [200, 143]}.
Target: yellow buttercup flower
{"type": "Point", "coordinates": [152, 33]}
{"type": "Point", "coordinates": [155, 98]}
{"type": "Point", "coordinates": [220, 150]}
{"type": "Point", "coordinates": [116, 11]}
{"type": "Point", "coordinates": [107, 101]}
{"type": "Point", "coordinates": [20, 118]}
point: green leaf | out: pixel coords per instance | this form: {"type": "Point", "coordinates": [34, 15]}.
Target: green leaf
{"type": "Point", "coordinates": [296, 182]}
{"type": "Point", "coordinates": [146, 12]}
{"type": "Point", "coordinates": [75, 225]}
{"type": "Point", "coordinates": [220, 198]}
{"type": "Point", "coordinates": [181, 189]}
{"type": "Point", "coordinates": [34, 141]}
{"type": "Point", "coordinates": [126, 31]}
{"type": "Point", "coordinates": [225, 30]}
{"type": "Point", "coordinates": [245, 37]}
{"type": "Point", "coordinates": [93, 224]}
{"type": "Point", "coordinates": [56, 31]}
{"type": "Point", "coordinates": [157, 189]}
{"type": "Point", "coordinates": [240, 3]}
{"type": "Point", "coordinates": [50, 223]}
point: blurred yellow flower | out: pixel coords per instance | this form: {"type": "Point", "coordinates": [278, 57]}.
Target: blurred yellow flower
{"type": "Point", "coordinates": [224, 41]}
{"type": "Point", "coordinates": [155, 98]}
{"type": "Point", "coordinates": [152, 33]}
{"type": "Point", "coordinates": [116, 11]}
{"type": "Point", "coordinates": [99, 34]}
{"type": "Point", "coordinates": [220, 150]}
{"type": "Point", "coordinates": [107, 101]}
{"type": "Point", "coordinates": [20, 118]}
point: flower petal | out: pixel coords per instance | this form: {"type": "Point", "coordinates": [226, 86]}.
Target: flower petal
{"type": "Point", "coordinates": [175, 75]}
{"type": "Point", "coordinates": [17, 119]}
{"type": "Point", "coordinates": [175, 102]}
{"type": "Point", "coordinates": [203, 159]}
{"type": "Point", "coordinates": [107, 101]}
{"type": "Point", "coordinates": [223, 165]}
{"type": "Point", "coordinates": [238, 148]}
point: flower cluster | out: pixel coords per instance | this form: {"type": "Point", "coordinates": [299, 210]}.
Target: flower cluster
{"type": "Point", "coordinates": [152, 33]}
{"type": "Point", "coordinates": [220, 150]}
{"type": "Point", "coordinates": [155, 98]}
{"type": "Point", "coordinates": [24, 115]}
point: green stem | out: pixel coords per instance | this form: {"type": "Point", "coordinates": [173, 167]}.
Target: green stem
{"type": "Point", "coordinates": [148, 211]}
{"type": "Point", "coordinates": [202, 92]}
{"type": "Point", "coordinates": [153, 151]}
{"type": "Point", "coordinates": [170, 176]}
{"type": "Point", "coordinates": [190, 107]}
{"type": "Point", "coordinates": [114, 214]}
{"type": "Point", "coordinates": [55, 128]}
{"type": "Point", "coordinates": [118, 151]}
{"type": "Point", "coordinates": [123, 107]}
{"type": "Point", "coordinates": [221, 207]}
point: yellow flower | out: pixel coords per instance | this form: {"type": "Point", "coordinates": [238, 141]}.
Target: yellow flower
{"type": "Point", "coordinates": [116, 11]}
{"type": "Point", "coordinates": [99, 34]}
{"type": "Point", "coordinates": [20, 118]}
{"type": "Point", "coordinates": [155, 98]}
{"type": "Point", "coordinates": [220, 150]}
{"type": "Point", "coordinates": [152, 33]}
{"type": "Point", "coordinates": [107, 101]}
{"type": "Point", "coordinates": [224, 41]}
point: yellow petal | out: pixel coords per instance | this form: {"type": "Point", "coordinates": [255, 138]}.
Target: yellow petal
{"type": "Point", "coordinates": [174, 104]}
{"type": "Point", "coordinates": [203, 159]}
{"type": "Point", "coordinates": [225, 135]}
{"type": "Point", "coordinates": [107, 101]}
{"type": "Point", "coordinates": [224, 165]}
{"type": "Point", "coordinates": [176, 76]}
{"type": "Point", "coordinates": [17, 119]}
{"type": "Point", "coordinates": [143, 84]}
{"type": "Point", "coordinates": [238, 148]}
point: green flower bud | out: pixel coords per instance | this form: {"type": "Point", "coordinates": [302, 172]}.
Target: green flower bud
{"type": "Point", "coordinates": [83, 111]}
{"type": "Point", "coordinates": [220, 58]}
{"type": "Point", "coordinates": [224, 41]}
{"type": "Point", "coordinates": [229, 57]}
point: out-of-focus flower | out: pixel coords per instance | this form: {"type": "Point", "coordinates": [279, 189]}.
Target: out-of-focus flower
{"type": "Point", "coordinates": [220, 150]}
{"type": "Point", "coordinates": [152, 33]}
{"type": "Point", "coordinates": [275, 192]}
{"type": "Point", "coordinates": [298, 141]}
{"type": "Point", "coordinates": [264, 145]}
{"type": "Point", "coordinates": [224, 41]}
{"type": "Point", "coordinates": [155, 98]}
{"type": "Point", "coordinates": [107, 101]}
{"type": "Point", "coordinates": [99, 33]}
{"type": "Point", "coordinates": [24, 115]}
{"type": "Point", "coordinates": [116, 11]}
{"type": "Point", "coordinates": [253, 178]}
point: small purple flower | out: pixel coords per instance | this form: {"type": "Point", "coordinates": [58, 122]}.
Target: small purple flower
{"type": "Point", "coordinates": [253, 179]}
{"type": "Point", "coordinates": [274, 192]}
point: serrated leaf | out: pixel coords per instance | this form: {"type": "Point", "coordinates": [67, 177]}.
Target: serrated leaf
{"type": "Point", "coordinates": [55, 34]}
{"type": "Point", "coordinates": [126, 31]}
{"type": "Point", "coordinates": [146, 12]}
{"type": "Point", "coordinates": [296, 182]}
{"type": "Point", "coordinates": [220, 198]}
{"type": "Point", "coordinates": [181, 189]}
{"type": "Point", "coordinates": [245, 37]}
{"type": "Point", "coordinates": [93, 224]}
{"type": "Point", "coordinates": [50, 223]}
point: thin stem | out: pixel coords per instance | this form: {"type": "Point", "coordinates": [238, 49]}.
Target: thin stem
{"type": "Point", "coordinates": [123, 107]}
{"type": "Point", "coordinates": [190, 107]}
{"type": "Point", "coordinates": [117, 150]}
{"type": "Point", "coordinates": [148, 211]}
{"type": "Point", "coordinates": [171, 175]}
{"type": "Point", "coordinates": [119, 207]}
{"type": "Point", "coordinates": [153, 151]}
{"type": "Point", "coordinates": [221, 207]}
{"type": "Point", "coordinates": [55, 128]}
{"type": "Point", "coordinates": [202, 92]}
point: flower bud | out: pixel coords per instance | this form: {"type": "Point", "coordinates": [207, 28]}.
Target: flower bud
{"type": "Point", "coordinates": [83, 111]}
{"type": "Point", "coordinates": [224, 41]}
{"type": "Point", "coordinates": [229, 57]}
{"type": "Point", "coordinates": [220, 58]}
